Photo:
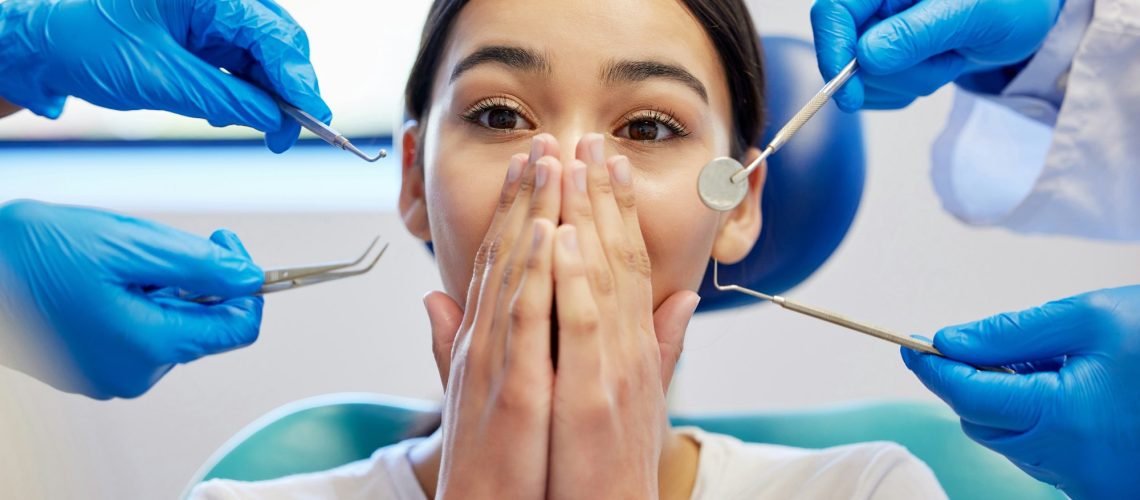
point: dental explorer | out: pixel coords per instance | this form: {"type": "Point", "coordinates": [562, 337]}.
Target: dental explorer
{"type": "Point", "coordinates": [325, 132]}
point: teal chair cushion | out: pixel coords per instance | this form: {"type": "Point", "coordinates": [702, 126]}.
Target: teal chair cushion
{"type": "Point", "coordinates": [328, 431]}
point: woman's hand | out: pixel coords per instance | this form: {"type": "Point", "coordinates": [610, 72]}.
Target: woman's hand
{"type": "Point", "coordinates": [615, 355]}
{"type": "Point", "coordinates": [494, 354]}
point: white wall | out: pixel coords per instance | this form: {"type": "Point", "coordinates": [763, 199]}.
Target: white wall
{"type": "Point", "coordinates": [905, 265]}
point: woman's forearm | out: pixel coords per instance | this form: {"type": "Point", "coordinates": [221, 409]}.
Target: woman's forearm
{"type": "Point", "coordinates": [7, 108]}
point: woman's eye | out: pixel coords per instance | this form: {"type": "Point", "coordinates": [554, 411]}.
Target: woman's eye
{"type": "Point", "coordinates": [503, 119]}
{"type": "Point", "coordinates": [646, 130]}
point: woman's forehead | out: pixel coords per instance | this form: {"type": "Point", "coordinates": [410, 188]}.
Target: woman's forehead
{"type": "Point", "coordinates": [586, 35]}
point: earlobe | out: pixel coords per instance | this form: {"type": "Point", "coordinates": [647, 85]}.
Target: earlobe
{"type": "Point", "coordinates": [413, 203]}
{"type": "Point", "coordinates": [740, 227]}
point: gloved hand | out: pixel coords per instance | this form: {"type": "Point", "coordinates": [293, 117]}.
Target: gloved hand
{"type": "Point", "coordinates": [86, 288]}
{"type": "Point", "coordinates": [1071, 416]}
{"type": "Point", "coordinates": [161, 54]}
{"type": "Point", "coordinates": [911, 48]}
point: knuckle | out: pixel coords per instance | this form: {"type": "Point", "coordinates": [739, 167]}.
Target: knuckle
{"type": "Point", "coordinates": [536, 210]}
{"type": "Point", "coordinates": [595, 409]}
{"type": "Point", "coordinates": [524, 312]}
{"type": "Point", "coordinates": [510, 275]}
{"type": "Point", "coordinates": [582, 322]}
{"type": "Point", "coordinates": [514, 398]}
{"type": "Point", "coordinates": [603, 280]}
{"type": "Point", "coordinates": [604, 188]}
{"type": "Point", "coordinates": [535, 262]}
{"type": "Point", "coordinates": [582, 211]}
{"type": "Point", "coordinates": [526, 184]}
{"type": "Point", "coordinates": [635, 260]}
{"type": "Point", "coordinates": [506, 200]}
{"type": "Point", "coordinates": [627, 201]}
{"type": "Point", "coordinates": [495, 249]}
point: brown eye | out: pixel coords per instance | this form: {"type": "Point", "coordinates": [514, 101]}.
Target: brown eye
{"type": "Point", "coordinates": [501, 119]}
{"type": "Point", "coordinates": [646, 130]}
{"type": "Point", "coordinates": [643, 130]}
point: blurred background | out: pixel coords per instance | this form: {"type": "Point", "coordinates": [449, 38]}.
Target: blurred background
{"type": "Point", "coordinates": [905, 264]}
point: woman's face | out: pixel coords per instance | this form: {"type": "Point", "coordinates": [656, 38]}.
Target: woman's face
{"type": "Point", "coordinates": [641, 72]}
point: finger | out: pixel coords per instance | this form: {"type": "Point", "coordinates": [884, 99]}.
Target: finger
{"type": "Point", "coordinates": [185, 331]}
{"type": "Point", "coordinates": [611, 231]}
{"type": "Point", "coordinates": [578, 211]}
{"type": "Point", "coordinates": [502, 246]}
{"type": "Point", "coordinates": [633, 255]}
{"type": "Point", "coordinates": [445, 317]}
{"type": "Point", "coordinates": [276, 51]}
{"type": "Point", "coordinates": [528, 343]}
{"type": "Point", "coordinates": [221, 99]}
{"type": "Point", "coordinates": [875, 100]}
{"type": "Point", "coordinates": [914, 35]}
{"type": "Point", "coordinates": [579, 350]}
{"type": "Point", "coordinates": [670, 322]}
{"type": "Point", "coordinates": [488, 247]}
{"type": "Point", "coordinates": [923, 79]}
{"type": "Point", "coordinates": [834, 28]}
{"type": "Point", "coordinates": [145, 253]}
{"type": "Point", "coordinates": [1054, 329]}
{"type": "Point", "coordinates": [1006, 401]}
{"type": "Point", "coordinates": [544, 206]}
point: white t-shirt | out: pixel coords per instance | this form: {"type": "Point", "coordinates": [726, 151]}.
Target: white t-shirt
{"type": "Point", "coordinates": [728, 469]}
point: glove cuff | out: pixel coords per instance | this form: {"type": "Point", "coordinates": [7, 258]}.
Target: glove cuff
{"type": "Point", "coordinates": [24, 58]}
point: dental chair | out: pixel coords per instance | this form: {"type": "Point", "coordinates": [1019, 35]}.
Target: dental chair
{"type": "Point", "coordinates": [815, 184]}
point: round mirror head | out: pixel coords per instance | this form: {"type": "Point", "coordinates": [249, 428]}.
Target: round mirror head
{"type": "Point", "coordinates": [715, 186]}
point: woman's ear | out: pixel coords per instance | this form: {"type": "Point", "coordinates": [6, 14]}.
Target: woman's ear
{"type": "Point", "coordinates": [413, 204]}
{"type": "Point", "coordinates": [740, 227]}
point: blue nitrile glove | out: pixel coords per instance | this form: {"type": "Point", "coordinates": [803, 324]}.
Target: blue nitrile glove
{"type": "Point", "coordinates": [911, 48]}
{"type": "Point", "coordinates": [90, 290]}
{"type": "Point", "coordinates": [1071, 416]}
{"type": "Point", "coordinates": [161, 54]}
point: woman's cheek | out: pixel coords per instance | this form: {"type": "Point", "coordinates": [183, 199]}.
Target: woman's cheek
{"type": "Point", "coordinates": [460, 207]}
{"type": "Point", "coordinates": [678, 233]}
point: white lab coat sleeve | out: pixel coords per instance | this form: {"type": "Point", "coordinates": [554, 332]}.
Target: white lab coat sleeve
{"type": "Point", "coordinates": [1058, 151]}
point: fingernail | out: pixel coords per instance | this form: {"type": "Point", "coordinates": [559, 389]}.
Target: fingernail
{"type": "Point", "coordinates": [621, 171]}
{"type": "Point", "coordinates": [539, 235]}
{"type": "Point", "coordinates": [569, 239]}
{"type": "Point", "coordinates": [597, 149]}
{"type": "Point", "coordinates": [535, 149]}
{"type": "Point", "coordinates": [580, 177]}
{"type": "Point", "coordinates": [514, 170]}
{"type": "Point", "coordinates": [542, 173]}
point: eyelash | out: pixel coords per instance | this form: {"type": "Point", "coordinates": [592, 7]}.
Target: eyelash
{"type": "Point", "coordinates": [664, 117]}
{"type": "Point", "coordinates": [476, 111]}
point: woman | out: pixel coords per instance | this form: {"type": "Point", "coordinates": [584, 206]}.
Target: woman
{"type": "Point", "coordinates": [569, 284]}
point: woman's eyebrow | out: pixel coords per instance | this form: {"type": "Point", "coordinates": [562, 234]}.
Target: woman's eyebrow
{"type": "Point", "coordinates": [513, 57]}
{"type": "Point", "coordinates": [636, 71]}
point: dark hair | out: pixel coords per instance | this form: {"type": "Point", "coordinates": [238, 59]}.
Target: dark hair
{"type": "Point", "coordinates": [727, 22]}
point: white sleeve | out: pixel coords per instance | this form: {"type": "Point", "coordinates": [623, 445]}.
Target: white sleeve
{"type": "Point", "coordinates": [907, 478]}
{"type": "Point", "coordinates": [1058, 151]}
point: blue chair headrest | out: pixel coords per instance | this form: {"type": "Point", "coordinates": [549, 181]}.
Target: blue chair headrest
{"type": "Point", "coordinates": [813, 189]}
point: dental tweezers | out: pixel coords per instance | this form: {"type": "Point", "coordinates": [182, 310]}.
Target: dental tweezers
{"type": "Point", "coordinates": [279, 280]}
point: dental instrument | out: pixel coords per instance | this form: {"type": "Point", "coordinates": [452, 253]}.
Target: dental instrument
{"type": "Point", "coordinates": [327, 133]}
{"type": "Point", "coordinates": [840, 320]}
{"type": "Point", "coordinates": [278, 280]}
{"type": "Point", "coordinates": [723, 182]}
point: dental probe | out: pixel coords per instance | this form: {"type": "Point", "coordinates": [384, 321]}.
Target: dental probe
{"type": "Point", "coordinates": [840, 320]}
{"type": "Point", "coordinates": [326, 132]}
{"type": "Point", "coordinates": [722, 185]}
